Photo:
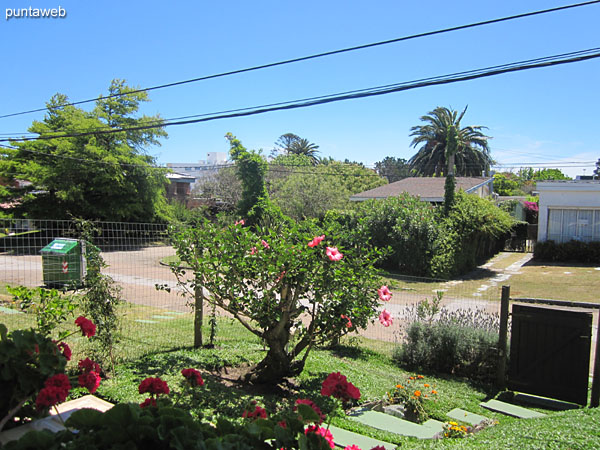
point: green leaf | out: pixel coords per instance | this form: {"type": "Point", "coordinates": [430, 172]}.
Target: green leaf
{"type": "Point", "coordinates": [84, 418]}
{"type": "Point", "coordinates": [308, 414]}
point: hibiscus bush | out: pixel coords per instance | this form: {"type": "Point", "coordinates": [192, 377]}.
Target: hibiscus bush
{"type": "Point", "coordinates": [291, 285]}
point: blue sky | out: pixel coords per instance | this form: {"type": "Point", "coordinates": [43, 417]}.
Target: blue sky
{"type": "Point", "coordinates": [539, 116]}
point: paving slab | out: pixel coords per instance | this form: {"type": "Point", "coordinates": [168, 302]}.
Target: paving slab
{"type": "Point", "coordinates": [511, 410]}
{"type": "Point", "coordinates": [393, 424]}
{"type": "Point", "coordinates": [145, 321]}
{"type": "Point", "coordinates": [6, 310]}
{"type": "Point", "coordinates": [344, 438]}
{"type": "Point", "coordinates": [53, 423]}
{"type": "Point", "coordinates": [466, 416]}
{"type": "Point", "coordinates": [157, 316]}
{"type": "Point", "coordinates": [435, 425]}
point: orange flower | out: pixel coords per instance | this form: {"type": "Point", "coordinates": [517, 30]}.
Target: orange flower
{"type": "Point", "coordinates": [417, 393]}
{"type": "Point", "coordinates": [426, 385]}
{"type": "Point", "coordinates": [434, 392]}
{"type": "Point", "coordinates": [425, 395]}
{"type": "Point", "coordinates": [399, 386]}
{"type": "Point", "coordinates": [411, 378]}
{"type": "Point", "coordinates": [420, 377]}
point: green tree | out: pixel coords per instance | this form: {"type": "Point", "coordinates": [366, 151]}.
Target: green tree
{"type": "Point", "coordinates": [444, 145]}
{"type": "Point", "coordinates": [303, 191]}
{"type": "Point", "coordinates": [507, 184]}
{"type": "Point", "coordinates": [394, 169]}
{"type": "Point", "coordinates": [290, 294]}
{"type": "Point", "coordinates": [97, 176]}
{"type": "Point", "coordinates": [251, 168]}
{"type": "Point", "coordinates": [292, 144]}
{"type": "Point", "coordinates": [530, 174]}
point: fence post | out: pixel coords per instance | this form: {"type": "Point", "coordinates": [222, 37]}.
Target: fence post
{"type": "Point", "coordinates": [595, 400]}
{"type": "Point", "coordinates": [502, 337]}
{"type": "Point", "coordinates": [198, 313]}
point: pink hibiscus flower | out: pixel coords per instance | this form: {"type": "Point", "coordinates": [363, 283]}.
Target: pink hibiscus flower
{"type": "Point", "coordinates": [385, 318]}
{"type": "Point", "coordinates": [385, 294]}
{"type": "Point", "coordinates": [333, 253]}
{"type": "Point", "coordinates": [316, 241]}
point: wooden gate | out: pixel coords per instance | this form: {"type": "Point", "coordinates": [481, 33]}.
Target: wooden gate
{"type": "Point", "coordinates": [550, 353]}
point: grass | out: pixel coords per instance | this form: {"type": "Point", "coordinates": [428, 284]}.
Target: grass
{"type": "Point", "coordinates": [372, 371]}
{"type": "Point", "coordinates": [557, 281]}
{"type": "Point", "coordinates": [571, 282]}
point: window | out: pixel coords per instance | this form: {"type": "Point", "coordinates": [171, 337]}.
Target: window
{"type": "Point", "coordinates": [577, 224]}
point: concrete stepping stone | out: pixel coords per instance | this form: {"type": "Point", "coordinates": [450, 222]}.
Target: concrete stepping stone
{"type": "Point", "coordinates": [175, 313]}
{"type": "Point", "coordinates": [393, 424]}
{"type": "Point", "coordinates": [435, 425]}
{"type": "Point", "coordinates": [145, 321]}
{"type": "Point", "coordinates": [6, 310]}
{"type": "Point", "coordinates": [511, 410]}
{"type": "Point", "coordinates": [162, 317]}
{"type": "Point", "coordinates": [466, 416]}
{"type": "Point", "coordinates": [344, 438]}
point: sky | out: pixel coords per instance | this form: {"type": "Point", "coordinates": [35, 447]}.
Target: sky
{"type": "Point", "coordinates": [546, 116]}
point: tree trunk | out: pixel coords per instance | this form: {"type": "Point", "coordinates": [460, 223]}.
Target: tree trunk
{"type": "Point", "coordinates": [198, 313]}
{"type": "Point", "coordinates": [278, 363]}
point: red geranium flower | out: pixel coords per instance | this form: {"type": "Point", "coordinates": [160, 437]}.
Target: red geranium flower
{"type": "Point", "coordinates": [326, 434]}
{"type": "Point", "coordinates": [148, 402]}
{"type": "Point", "coordinates": [50, 396]}
{"type": "Point", "coordinates": [153, 386]}
{"type": "Point", "coordinates": [60, 380]}
{"type": "Point", "coordinates": [315, 408]}
{"type": "Point", "coordinates": [87, 365]}
{"type": "Point", "coordinates": [88, 329]}
{"type": "Point", "coordinates": [336, 385]}
{"type": "Point", "coordinates": [65, 349]}
{"type": "Point", "coordinates": [258, 413]}
{"type": "Point", "coordinates": [89, 380]}
{"type": "Point", "coordinates": [193, 376]}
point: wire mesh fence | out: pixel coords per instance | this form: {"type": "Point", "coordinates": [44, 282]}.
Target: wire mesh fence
{"type": "Point", "coordinates": [137, 257]}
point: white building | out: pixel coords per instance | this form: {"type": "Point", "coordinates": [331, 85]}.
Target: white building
{"type": "Point", "coordinates": [569, 210]}
{"type": "Point", "coordinates": [201, 168]}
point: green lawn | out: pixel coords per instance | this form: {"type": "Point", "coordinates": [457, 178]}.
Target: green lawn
{"type": "Point", "coordinates": [372, 372]}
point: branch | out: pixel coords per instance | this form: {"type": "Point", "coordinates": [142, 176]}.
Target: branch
{"type": "Point", "coordinates": [12, 412]}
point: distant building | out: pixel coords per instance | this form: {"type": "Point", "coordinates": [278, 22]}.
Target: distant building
{"type": "Point", "coordinates": [428, 189]}
{"type": "Point", "coordinates": [201, 168]}
{"type": "Point", "coordinates": [179, 188]}
{"type": "Point", "coordinates": [569, 210]}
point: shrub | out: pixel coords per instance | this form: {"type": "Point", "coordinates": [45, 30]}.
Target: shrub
{"type": "Point", "coordinates": [449, 347]}
{"type": "Point", "coordinates": [572, 251]}
{"type": "Point", "coordinates": [422, 241]}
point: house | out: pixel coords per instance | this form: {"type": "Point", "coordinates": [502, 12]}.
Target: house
{"type": "Point", "coordinates": [179, 188]}
{"type": "Point", "coordinates": [429, 189]}
{"type": "Point", "coordinates": [201, 168]}
{"type": "Point", "coordinates": [569, 210]}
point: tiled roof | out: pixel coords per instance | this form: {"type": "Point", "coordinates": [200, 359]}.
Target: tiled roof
{"type": "Point", "coordinates": [427, 188]}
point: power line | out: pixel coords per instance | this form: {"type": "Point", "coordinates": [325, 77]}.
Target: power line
{"type": "Point", "coordinates": [582, 55]}
{"type": "Point", "coordinates": [318, 55]}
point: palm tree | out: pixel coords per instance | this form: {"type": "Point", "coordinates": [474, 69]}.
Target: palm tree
{"type": "Point", "coordinates": [445, 145]}
{"type": "Point", "coordinates": [295, 145]}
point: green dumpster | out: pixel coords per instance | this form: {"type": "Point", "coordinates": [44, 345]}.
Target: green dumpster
{"type": "Point", "coordinates": [63, 262]}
